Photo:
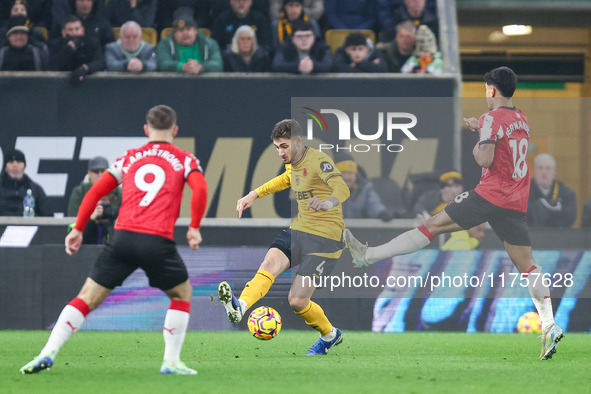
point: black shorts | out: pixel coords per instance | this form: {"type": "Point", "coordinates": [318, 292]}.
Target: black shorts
{"type": "Point", "coordinates": [469, 209]}
{"type": "Point", "coordinates": [316, 256]}
{"type": "Point", "coordinates": [283, 243]}
{"type": "Point", "coordinates": [127, 251]}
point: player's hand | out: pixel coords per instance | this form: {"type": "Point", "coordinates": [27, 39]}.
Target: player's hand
{"type": "Point", "coordinates": [246, 202]}
{"type": "Point", "coordinates": [317, 204]}
{"type": "Point", "coordinates": [472, 123]}
{"type": "Point", "coordinates": [73, 241]}
{"type": "Point", "coordinates": [194, 238]}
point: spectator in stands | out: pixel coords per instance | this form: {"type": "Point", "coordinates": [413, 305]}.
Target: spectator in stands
{"type": "Point", "coordinates": [433, 201]}
{"type": "Point", "coordinates": [130, 52]}
{"type": "Point", "coordinates": [364, 202]}
{"type": "Point", "coordinates": [14, 185]}
{"type": "Point", "coordinates": [355, 56]}
{"type": "Point", "coordinates": [303, 54]}
{"type": "Point", "coordinates": [426, 59]}
{"type": "Point", "coordinates": [226, 24]}
{"type": "Point", "coordinates": [187, 51]}
{"type": "Point", "coordinates": [18, 54]}
{"type": "Point", "coordinates": [313, 8]}
{"type": "Point", "coordinates": [19, 9]}
{"type": "Point", "coordinates": [75, 52]}
{"type": "Point", "coordinates": [245, 55]}
{"type": "Point", "coordinates": [551, 202]}
{"type": "Point", "coordinates": [62, 9]}
{"type": "Point", "coordinates": [38, 12]}
{"type": "Point", "coordinates": [92, 17]}
{"type": "Point", "coordinates": [281, 27]}
{"type": "Point", "coordinates": [586, 217]}
{"type": "Point", "coordinates": [200, 11]}
{"type": "Point", "coordinates": [400, 49]}
{"type": "Point", "coordinates": [141, 11]}
{"type": "Point", "coordinates": [414, 11]}
{"type": "Point", "coordinates": [352, 14]}
{"type": "Point", "coordinates": [220, 6]}
{"type": "Point", "coordinates": [106, 211]}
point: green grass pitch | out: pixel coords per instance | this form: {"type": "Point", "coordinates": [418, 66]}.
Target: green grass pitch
{"type": "Point", "coordinates": [233, 362]}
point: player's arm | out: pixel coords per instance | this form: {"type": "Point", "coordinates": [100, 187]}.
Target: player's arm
{"type": "Point", "coordinates": [340, 194]}
{"type": "Point", "coordinates": [198, 185]}
{"type": "Point", "coordinates": [105, 185]}
{"type": "Point", "coordinates": [275, 185]}
{"type": "Point", "coordinates": [484, 153]}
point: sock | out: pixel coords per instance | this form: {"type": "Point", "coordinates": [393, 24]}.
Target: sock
{"type": "Point", "coordinates": [315, 318]}
{"type": "Point", "coordinates": [330, 336]}
{"type": "Point", "coordinates": [69, 321]}
{"type": "Point", "coordinates": [405, 243]}
{"type": "Point", "coordinates": [540, 294]}
{"type": "Point", "coordinates": [175, 328]}
{"type": "Point", "coordinates": [257, 288]}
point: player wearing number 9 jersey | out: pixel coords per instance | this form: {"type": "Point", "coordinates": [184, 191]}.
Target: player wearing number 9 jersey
{"type": "Point", "coordinates": [500, 199]}
{"type": "Point", "coordinates": [152, 179]}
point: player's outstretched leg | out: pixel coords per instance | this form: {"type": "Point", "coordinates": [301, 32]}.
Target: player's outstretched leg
{"type": "Point", "coordinates": [408, 242]}
{"type": "Point", "coordinates": [69, 321]}
{"type": "Point", "coordinates": [550, 337]}
{"type": "Point", "coordinates": [234, 308]}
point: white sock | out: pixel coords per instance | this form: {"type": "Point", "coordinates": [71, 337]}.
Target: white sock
{"type": "Point", "coordinates": [330, 336]}
{"type": "Point", "coordinates": [175, 328]}
{"type": "Point", "coordinates": [243, 306]}
{"type": "Point", "coordinates": [405, 243]}
{"type": "Point", "coordinates": [69, 321]}
{"type": "Point", "coordinates": [540, 294]}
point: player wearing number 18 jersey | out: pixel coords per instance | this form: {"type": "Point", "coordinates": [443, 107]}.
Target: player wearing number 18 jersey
{"type": "Point", "coordinates": [152, 179]}
{"type": "Point", "coordinates": [500, 199]}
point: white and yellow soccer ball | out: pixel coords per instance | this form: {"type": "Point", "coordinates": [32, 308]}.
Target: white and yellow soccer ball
{"type": "Point", "coordinates": [529, 323]}
{"type": "Point", "coordinates": [264, 323]}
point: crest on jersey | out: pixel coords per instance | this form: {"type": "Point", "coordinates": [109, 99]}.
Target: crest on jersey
{"type": "Point", "coordinates": [297, 180]}
{"type": "Point", "coordinates": [326, 167]}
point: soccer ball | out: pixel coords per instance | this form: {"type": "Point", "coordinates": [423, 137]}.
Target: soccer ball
{"type": "Point", "coordinates": [529, 323]}
{"type": "Point", "coordinates": [264, 323]}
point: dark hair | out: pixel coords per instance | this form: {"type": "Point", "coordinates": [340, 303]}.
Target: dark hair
{"type": "Point", "coordinates": [161, 117]}
{"type": "Point", "coordinates": [355, 38]}
{"type": "Point", "coordinates": [287, 128]}
{"type": "Point", "coordinates": [70, 19]}
{"type": "Point", "coordinates": [301, 25]}
{"type": "Point", "coordinates": [502, 78]}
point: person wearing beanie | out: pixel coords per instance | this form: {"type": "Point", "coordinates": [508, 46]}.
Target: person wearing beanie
{"type": "Point", "coordinates": [281, 28]}
{"type": "Point", "coordinates": [426, 59]}
{"type": "Point", "coordinates": [433, 201]}
{"type": "Point", "coordinates": [313, 8]}
{"type": "Point", "coordinates": [104, 215]}
{"type": "Point", "coordinates": [19, 54]}
{"type": "Point", "coordinates": [225, 25]}
{"type": "Point", "coordinates": [355, 56]}
{"type": "Point", "coordinates": [364, 202]}
{"type": "Point", "coordinates": [185, 50]}
{"type": "Point", "coordinates": [303, 54]}
{"type": "Point", "coordinates": [14, 184]}
{"type": "Point", "coordinates": [20, 8]}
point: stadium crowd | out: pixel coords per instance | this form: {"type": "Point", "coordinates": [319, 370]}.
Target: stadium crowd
{"type": "Point", "coordinates": [200, 36]}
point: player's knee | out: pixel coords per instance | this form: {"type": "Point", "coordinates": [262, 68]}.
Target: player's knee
{"type": "Point", "coordinates": [273, 266]}
{"type": "Point", "coordinates": [298, 304]}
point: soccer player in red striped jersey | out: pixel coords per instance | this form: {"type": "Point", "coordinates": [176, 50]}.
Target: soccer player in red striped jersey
{"type": "Point", "coordinates": [500, 199]}
{"type": "Point", "coordinates": [152, 177]}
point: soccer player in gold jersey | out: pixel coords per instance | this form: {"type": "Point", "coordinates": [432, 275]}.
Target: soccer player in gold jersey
{"type": "Point", "coordinates": [313, 240]}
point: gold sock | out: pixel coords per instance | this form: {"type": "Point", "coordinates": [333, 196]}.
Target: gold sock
{"type": "Point", "coordinates": [258, 287]}
{"type": "Point", "coordinates": [315, 318]}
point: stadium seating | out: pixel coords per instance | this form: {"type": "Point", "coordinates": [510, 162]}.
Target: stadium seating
{"type": "Point", "coordinates": [148, 34]}
{"type": "Point", "coordinates": [204, 30]}
{"type": "Point", "coordinates": [336, 38]}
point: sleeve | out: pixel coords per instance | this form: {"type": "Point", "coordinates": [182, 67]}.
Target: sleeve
{"type": "Point", "coordinates": [60, 58]}
{"type": "Point", "coordinates": [264, 32]}
{"type": "Point", "coordinates": [409, 65]}
{"type": "Point", "coordinates": [325, 64]}
{"type": "Point", "coordinates": [197, 182]}
{"type": "Point", "coordinates": [192, 164]}
{"type": "Point", "coordinates": [282, 65]}
{"type": "Point", "coordinates": [113, 63]}
{"type": "Point", "coordinates": [368, 66]}
{"type": "Point", "coordinates": [486, 128]}
{"type": "Point", "coordinates": [340, 190]}
{"type": "Point", "coordinates": [75, 200]}
{"type": "Point", "coordinates": [215, 63]}
{"type": "Point", "coordinates": [105, 185]}
{"type": "Point", "coordinates": [98, 60]}
{"type": "Point", "coordinates": [275, 185]}
{"type": "Point", "coordinates": [148, 58]}
{"type": "Point", "coordinates": [340, 62]}
{"type": "Point", "coordinates": [164, 57]}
